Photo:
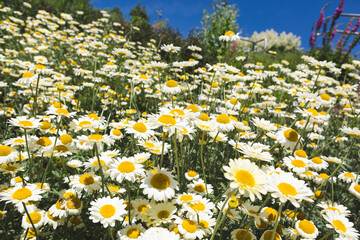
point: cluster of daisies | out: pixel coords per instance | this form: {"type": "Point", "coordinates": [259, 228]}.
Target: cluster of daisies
{"type": "Point", "coordinates": [101, 137]}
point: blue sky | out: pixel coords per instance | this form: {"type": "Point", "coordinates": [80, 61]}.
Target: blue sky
{"type": "Point", "coordinates": [295, 16]}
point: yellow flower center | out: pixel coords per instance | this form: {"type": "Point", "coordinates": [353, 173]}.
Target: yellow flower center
{"type": "Point", "coordinates": [177, 112]}
{"type": "Point", "coordinates": [61, 148]}
{"type": "Point", "coordinates": [93, 116]}
{"type": "Point", "coordinates": [203, 224]}
{"type": "Point", "coordinates": [116, 132]}
{"type": "Point", "coordinates": [186, 198]}
{"type": "Point", "coordinates": [84, 124]}
{"type": "Point", "coordinates": [357, 188]}
{"type": "Point", "coordinates": [86, 179]}
{"type": "Point", "coordinates": [96, 163]}
{"type": "Point", "coordinates": [287, 189]}
{"type": "Point", "coordinates": [19, 141]}
{"type": "Point", "coordinates": [298, 163]}
{"type": "Point", "coordinates": [167, 119]}
{"type": "Point", "coordinates": [204, 117]}
{"type": "Point", "coordinates": [189, 225]}
{"type": "Point", "coordinates": [198, 206]}
{"type": "Point", "coordinates": [140, 127]}
{"type": "Point", "coordinates": [163, 214]}
{"type": "Point", "coordinates": [35, 217]}
{"type": "Point", "coordinates": [107, 211]}
{"type": "Point", "coordinates": [21, 194]}
{"type": "Point", "coordinates": [313, 112]}
{"type": "Point", "coordinates": [126, 167]}
{"type": "Point", "coordinates": [5, 150]}
{"type": "Point", "coordinates": [223, 118]}
{"type": "Point", "coordinates": [229, 33]}
{"type": "Point", "coordinates": [245, 177]}
{"type": "Point", "coordinates": [44, 141]}
{"type": "Point", "coordinates": [272, 213]}
{"type": "Point", "coordinates": [95, 137]}
{"type": "Point", "coordinates": [233, 101]}
{"type": "Point", "coordinates": [307, 226]}
{"type": "Point", "coordinates": [268, 234]}
{"type": "Point", "coordinates": [61, 111]}
{"type": "Point", "coordinates": [45, 125]}
{"type": "Point", "coordinates": [243, 235]}
{"type": "Point", "coordinates": [193, 108]}
{"type": "Point", "coordinates": [133, 233]}
{"type": "Point", "coordinates": [66, 138]}
{"type": "Point", "coordinates": [28, 75]}
{"type": "Point", "coordinates": [142, 208]}
{"type": "Point", "coordinates": [172, 84]}
{"type": "Point", "coordinates": [300, 153]}
{"type": "Point", "coordinates": [291, 135]}
{"type": "Point", "coordinates": [25, 123]}
{"type": "Point", "coordinates": [325, 97]}
{"type": "Point", "coordinates": [40, 67]}
{"type": "Point", "coordinates": [323, 175]}
{"type": "Point", "coordinates": [73, 203]}
{"type": "Point", "coordinates": [199, 188]}
{"type": "Point", "coordinates": [192, 173]}
{"type": "Point", "coordinates": [333, 209]}
{"type": "Point", "coordinates": [339, 225]}
{"type": "Point", "coordinates": [316, 160]}
{"type": "Point", "coordinates": [52, 217]}
{"type": "Point", "coordinates": [149, 145]}
{"type": "Point", "coordinates": [160, 181]}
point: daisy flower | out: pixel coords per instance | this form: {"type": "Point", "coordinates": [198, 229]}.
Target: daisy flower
{"type": "Point", "coordinates": [242, 234]}
{"type": "Point", "coordinates": [286, 187]}
{"type": "Point", "coordinates": [171, 87]}
{"type": "Point", "coordinates": [159, 185]}
{"type": "Point", "coordinates": [298, 165]}
{"type": "Point", "coordinates": [37, 217]}
{"type": "Point", "coordinates": [98, 139]}
{"type": "Point", "coordinates": [307, 229]}
{"type": "Point", "coordinates": [189, 229]}
{"type": "Point", "coordinates": [191, 174]}
{"type": "Point", "coordinates": [88, 182]}
{"type": "Point", "coordinates": [131, 232]}
{"type": "Point", "coordinates": [288, 138]}
{"type": "Point", "coordinates": [335, 207]}
{"type": "Point", "coordinates": [107, 210]}
{"type": "Point", "coordinates": [341, 225]}
{"type": "Point", "coordinates": [229, 36]}
{"type": "Point", "coordinates": [268, 234]}
{"type": "Point", "coordinates": [160, 233]}
{"type": "Point", "coordinates": [25, 123]}
{"type": "Point", "coordinates": [354, 189]}
{"type": "Point", "coordinates": [247, 177]}
{"type": "Point", "coordinates": [253, 211]}
{"type": "Point", "coordinates": [223, 123]}
{"type": "Point", "coordinates": [20, 194]}
{"type": "Point", "coordinates": [8, 154]}
{"type": "Point", "coordinates": [54, 221]}
{"type": "Point", "coordinates": [197, 205]}
{"type": "Point", "coordinates": [162, 213]}
{"type": "Point", "coordinates": [125, 168]}
{"type": "Point", "coordinates": [318, 164]}
{"type": "Point", "coordinates": [198, 186]}
{"type": "Point", "coordinates": [263, 124]}
{"type": "Point", "coordinates": [140, 129]}
{"type": "Point", "coordinates": [255, 153]}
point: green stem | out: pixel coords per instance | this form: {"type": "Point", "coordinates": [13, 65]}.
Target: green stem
{"type": "Point", "coordinates": [327, 234]}
{"type": "Point", "coordinates": [31, 221]}
{"type": "Point", "coordinates": [277, 221]}
{"type": "Point", "coordinates": [202, 161]}
{"type": "Point", "coordinates": [162, 149]}
{"type": "Point", "coordinates": [30, 156]}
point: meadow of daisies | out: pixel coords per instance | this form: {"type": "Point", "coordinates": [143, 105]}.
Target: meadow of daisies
{"type": "Point", "coordinates": [105, 138]}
